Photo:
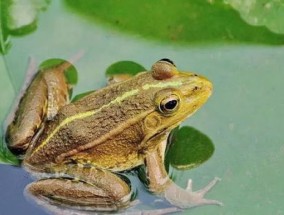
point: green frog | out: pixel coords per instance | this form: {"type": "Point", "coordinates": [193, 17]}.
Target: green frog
{"type": "Point", "coordinates": [78, 149]}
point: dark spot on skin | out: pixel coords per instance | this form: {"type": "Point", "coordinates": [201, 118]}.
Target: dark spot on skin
{"type": "Point", "coordinates": [168, 60]}
{"type": "Point", "coordinates": [195, 88]}
{"type": "Point", "coordinates": [195, 75]}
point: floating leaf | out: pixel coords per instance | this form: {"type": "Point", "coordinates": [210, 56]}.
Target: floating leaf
{"type": "Point", "coordinates": [177, 22]}
{"type": "Point", "coordinates": [6, 157]}
{"type": "Point", "coordinates": [81, 95]}
{"type": "Point", "coordinates": [22, 15]}
{"type": "Point", "coordinates": [18, 18]}
{"type": "Point", "coordinates": [261, 12]}
{"type": "Point", "coordinates": [188, 148]}
{"type": "Point", "coordinates": [70, 73]}
{"type": "Point", "coordinates": [124, 67]}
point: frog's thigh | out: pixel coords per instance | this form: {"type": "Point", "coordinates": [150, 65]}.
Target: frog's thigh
{"type": "Point", "coordinates": [93, 188]}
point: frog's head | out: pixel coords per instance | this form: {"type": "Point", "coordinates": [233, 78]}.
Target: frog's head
{"type": "Point", "coordinates": [178, 96]}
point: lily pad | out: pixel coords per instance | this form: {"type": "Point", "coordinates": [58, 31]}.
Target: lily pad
{"type": "Point", "coordinates": [7, 157]}
{"type": "Point", "coordinates": [261, 12]}
{"type": "Point", "coordinates": [18, 18]}
{"type": "Point", "coordinates": [188, 148]}
{"type": "Point", "coordinates": [70, 73]}
{"type": "Point", "coordinates": [183, 22]}
{"type": "Point", "coordinates": [81, 95]}
{"type": "Point", "coordinates": [124, 67]}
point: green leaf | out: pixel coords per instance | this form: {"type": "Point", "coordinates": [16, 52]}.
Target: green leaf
{"type": "Point", "coordinates": [177, 22]}
{"type": "Point", "coordinates": [70, 73]}
{"type": "Point", "coordinates": [18, 18]}
{"type": "Point", "coordinates": [6, 157]}
{"type": "Point", "coordinates": [261, 12]}
{"type": "Point", "coordinates": [188, 148]}
{"type": "Point", "coordinates": [4, 40]}
{"type": "Point", "coordinates": [124, 67]}
{"type": "Point", "coordinates": [81, 95]}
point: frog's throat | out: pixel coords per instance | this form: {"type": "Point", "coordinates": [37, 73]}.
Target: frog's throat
{"type": "Point", "coordinates": [118, 99]}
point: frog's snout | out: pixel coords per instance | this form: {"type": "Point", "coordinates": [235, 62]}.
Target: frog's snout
{"type": "Point", "coordinates": [196, 85]}
{"type": "Point", "coordinates": [201, 89]}
{"type": "Point", "coordinates": [206, 85]}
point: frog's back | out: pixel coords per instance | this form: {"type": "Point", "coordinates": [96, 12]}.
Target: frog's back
{"type": "Point", "coordinates": [97, 119]}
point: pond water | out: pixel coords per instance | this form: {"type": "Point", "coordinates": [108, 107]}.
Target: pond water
{"type": "Point", "coordinates": [243, 118]}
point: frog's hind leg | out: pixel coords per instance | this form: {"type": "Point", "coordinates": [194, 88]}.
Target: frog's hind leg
{"type": "Point", "coordinates": [85, 188]}
{"type": "Point", "coordinates": [46, 94]}
{"type": "Point", "coordinates": [30, 73]}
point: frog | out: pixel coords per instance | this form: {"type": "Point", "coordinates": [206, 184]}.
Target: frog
{"type": "Point", "coordinates": [78, 150]}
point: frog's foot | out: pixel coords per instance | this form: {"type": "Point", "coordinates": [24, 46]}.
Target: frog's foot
{"type": "Point", "coordinates": [188, 198]}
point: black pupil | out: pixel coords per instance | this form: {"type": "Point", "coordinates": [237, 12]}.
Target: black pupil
{"type": "Point", "coordinates": [170, 105]}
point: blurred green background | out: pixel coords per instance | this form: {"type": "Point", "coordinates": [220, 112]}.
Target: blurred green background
{"type": "Point", "coordinates": [237, 44]}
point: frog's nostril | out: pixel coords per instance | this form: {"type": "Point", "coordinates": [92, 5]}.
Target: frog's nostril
{"type": "Point", "coordinates": [209, 88]}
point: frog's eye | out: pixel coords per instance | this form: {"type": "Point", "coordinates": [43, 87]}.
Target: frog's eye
{"type": "Point", "coordinates": [164, 69]}
{"type": "Point", "coordinates": [169, 104]}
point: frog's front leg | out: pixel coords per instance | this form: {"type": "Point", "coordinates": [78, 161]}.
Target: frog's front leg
{"type": "Point", "coordinates": [87, 188]}
{"type": "Point", "coordinates": [160, 183]}
{"type": "Point", "coordinates": [46, 94]}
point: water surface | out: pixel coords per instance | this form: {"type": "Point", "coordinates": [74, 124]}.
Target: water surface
{"type": "Point", "coordinates": [244, 117]}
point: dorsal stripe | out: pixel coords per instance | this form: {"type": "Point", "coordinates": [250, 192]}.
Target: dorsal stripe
{"type": "Point", "coordinates": [93, 112]}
